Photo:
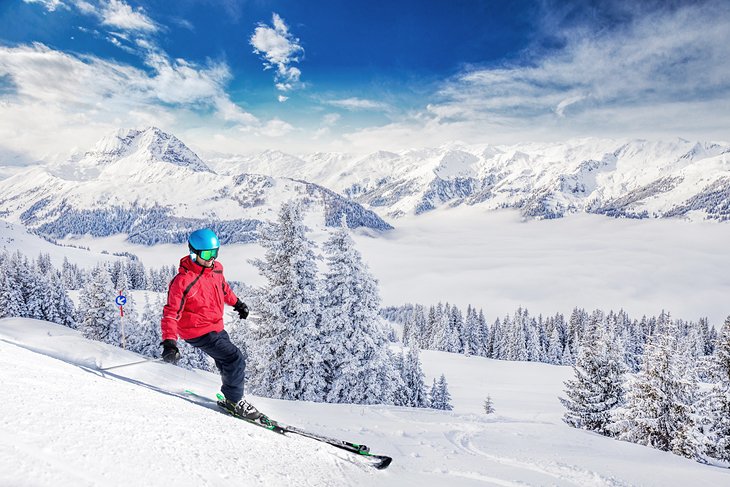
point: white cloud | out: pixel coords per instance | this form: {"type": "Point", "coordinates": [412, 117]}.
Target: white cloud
{"type": "Point", "coordinates": [116, 13]}
{"type": "Point", "coordinates": [85, 7]}
{"type": "Point", "coordinates": [357, 104]}
{"type": "Point", "coordinates": [276, 128]}
{"type": "Point", "coordinates": [662, 74]}
{"type": "Point", "coordinates": [278, 49]}
{"type": "Point", "coordinates": [634, 71]}
{"type": "Point", "coordinates": [50, 5]}
{"type": "Point", "coordinates": [113, 13]}
{"type": "Point", "coordinates": [185, 24]}
{"type": "Point", "coordinates": [571, 100]}
{"type": "Point", "coordinates": [54, 94]}
{"type": "Point", "coordinates": [331, 119]}
{"type": "Point", "coordinates": [282, 98]}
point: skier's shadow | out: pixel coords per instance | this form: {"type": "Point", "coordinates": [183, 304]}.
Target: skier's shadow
{"type": "Point", "coordinates": [112, 376]}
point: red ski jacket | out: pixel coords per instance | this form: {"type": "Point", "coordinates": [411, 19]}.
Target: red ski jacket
{"type": "Point", "coordinates": [195, 301]}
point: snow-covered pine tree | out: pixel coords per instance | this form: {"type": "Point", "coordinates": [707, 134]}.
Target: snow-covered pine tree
{"type": "Point", "coordinates": [576, 327]}
{"type": "Point", "coordinates": [400, 391]}
{"type": "Point", "coordinates": [542, 333]}
{"type": "Point", "coordinates": [706, 333]}
{"type": "Point", "coordinates": [65, 310]}
{"type": "Point", "coordinates": [285, 356]}
{"type": "Point", "coordinates": [122, 280]}
{"type": "Point", "coordinates": [532, 341]}
{"type": "Point", "coordinates": [440, 397]}
{"type": "Point", "coordinates": [414, 326]}
{"type": "Point", "coordinates": [471, 338]}
{"type": "Point", "coordinates": [144, 334]}
{"type": "Point", "coordinates": [634, 346]}
{"type": "Point", "coordinates": [597, 388]}
{"type": "Point", "coordinates": [494, 345]}
{"type": "Point", "coordinates": [659, 409]}
{"type": "Point", "coordinates": [718, 407]}
{"type": "Point", "coordinates": [454, 338]}
{"type": "Point", "coordinates": [414, 379]}
{"type": "Point", "coordinates": [427, 339]}
{"type": "Point", "coordinates": [482, 335]}
{"type": "Point", "coordinates": [489, 405]}
{"type": "Point", "coordinates": [116, 269]}
{"type": "Point", "coordinates": [441, 327]}
{"type": "Point", "coordinates": [352, 335]}
{"type": "Point", "coordinates": [515, 336]}
{"type": "Point", "coordinates": [555, 348]}
{"type": "Point", "coordinates": [73, 276]}
{"type": "Point", "coordinates": [43, 263]}
{"type": "Point", "coordinates": [567, 357]}
{"type": "Point", "coordinates": [11, 299]}
{"type": "Point", "coordinates": [419, 324]}
{"type": "Point", "coordinates": [29, 286]}
{"type": "Point", "coordinates": [99, 316]}
{"type": "Point", "coordinates": [47, 305]}
{"type": "Point", "coordinates": [136, 273]}
{"type": "Point", "coordinates": [722, 352]}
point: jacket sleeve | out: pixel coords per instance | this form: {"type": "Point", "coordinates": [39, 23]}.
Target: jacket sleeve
{"type": "Point", "coordinates": [229, 297]}
{"type": "Point", "coordinates": [173, 309]}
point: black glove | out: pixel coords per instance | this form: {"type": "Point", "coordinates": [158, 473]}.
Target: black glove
{"type": "Point", "coordinates": [170, 352]}
{"type": "Point", "coordinates": [242, 309]}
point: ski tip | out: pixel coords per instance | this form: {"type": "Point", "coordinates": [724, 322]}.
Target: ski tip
{"type": "Point", "coordinates": [383, 463]}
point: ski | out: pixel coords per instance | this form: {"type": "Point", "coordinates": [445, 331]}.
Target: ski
{"type": "Point", "coordinates": [263, 421]}
{"type": "Point", "coordinates": [380, 461]}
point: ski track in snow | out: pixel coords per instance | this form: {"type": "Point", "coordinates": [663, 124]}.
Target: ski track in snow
{"type": "Point", "coordinates": [560, 472]}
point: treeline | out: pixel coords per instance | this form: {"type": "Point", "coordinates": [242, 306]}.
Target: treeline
{"type": "Point", "coordinates": [664, 405]}
{"type": "Point", "coordinates": [524, 337]}
{"type": "Point", "coordinates": [34, 289]}
{"type": "Point", "coordinates": [126, 274]}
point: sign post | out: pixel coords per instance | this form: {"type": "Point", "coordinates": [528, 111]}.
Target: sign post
{"type": "Point", "coordinates": [120, 301]}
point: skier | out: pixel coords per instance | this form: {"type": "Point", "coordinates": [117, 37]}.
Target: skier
{"type": "Point", "coordinates": [194, 312]}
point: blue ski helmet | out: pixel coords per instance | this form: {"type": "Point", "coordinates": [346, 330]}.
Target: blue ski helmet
{"type": "Point", "coordinates": [201, 240]}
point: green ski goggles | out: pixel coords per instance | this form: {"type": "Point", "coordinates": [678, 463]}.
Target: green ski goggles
{"type": "Point", "coordinates": [207, 254]}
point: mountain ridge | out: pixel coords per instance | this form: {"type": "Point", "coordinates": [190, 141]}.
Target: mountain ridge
{"type": "Point", "coordinates": [149, 185]}
{"type": "Point", "coordinates": [620, 178]}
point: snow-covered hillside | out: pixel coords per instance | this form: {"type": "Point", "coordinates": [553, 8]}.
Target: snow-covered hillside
{"type": "Point", "coordinates": [149, 185]}
{"type": "Point", "coordinates": [634, 178]}
{"type": "Point", "coordinates": [65, 423]}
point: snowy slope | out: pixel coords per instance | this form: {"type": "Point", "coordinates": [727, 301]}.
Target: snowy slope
{"type": "Point", "coordinates": [64, 423]}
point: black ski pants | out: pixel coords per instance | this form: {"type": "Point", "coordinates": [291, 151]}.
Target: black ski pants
{"type": "Point", "coordinates": [229, 360]}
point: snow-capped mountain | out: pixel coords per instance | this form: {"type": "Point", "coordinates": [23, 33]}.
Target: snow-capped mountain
{"type": "Point", "coordinates": [636, 178]}
{"type": "Point", "coordinates": [149, 185]}
{"type": "Point", "coordinates": [132, 152]}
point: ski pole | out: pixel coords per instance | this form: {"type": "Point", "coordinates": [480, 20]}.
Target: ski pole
{"type": "Point", "coordinates": [132, 363]}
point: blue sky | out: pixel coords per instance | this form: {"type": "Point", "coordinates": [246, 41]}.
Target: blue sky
{"type": "Point", "coordinates": [241, 76]}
